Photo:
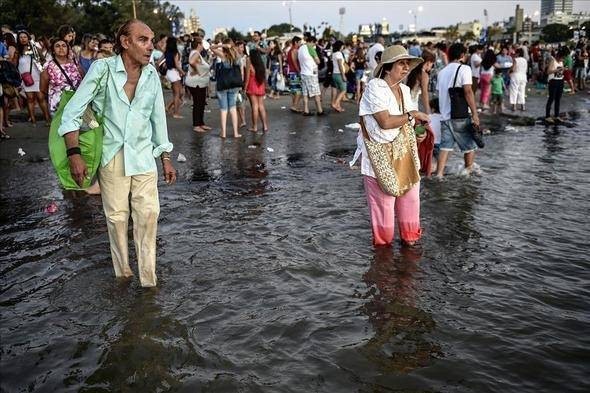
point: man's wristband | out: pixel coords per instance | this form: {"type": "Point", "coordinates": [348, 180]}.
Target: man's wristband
{"type": "Point", "coordinates": [165, 156]}
{"type": "Point", "coordinates": [73, 150]}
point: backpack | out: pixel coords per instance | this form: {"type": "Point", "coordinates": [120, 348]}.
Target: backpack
{"type": "Point", "coordinates": [9, 74]}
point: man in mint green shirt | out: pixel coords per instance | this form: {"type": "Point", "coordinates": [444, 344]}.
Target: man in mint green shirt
{"type": "Point", "coordinates": [126, 90]}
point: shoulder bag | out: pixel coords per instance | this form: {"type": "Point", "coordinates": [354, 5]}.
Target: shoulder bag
{"type": "Point", "coordinates": [228, 77]}
{"type": "Point", "coordinates": [459, 107]}
{"type": "Point", "coordinates": [28, 76]}
{"type": "Point", "coordinates": [396, 164]}
{"type": "Point", "coordinates": [90, 141]}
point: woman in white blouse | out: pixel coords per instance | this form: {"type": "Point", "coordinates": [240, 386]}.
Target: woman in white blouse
{"type": "Point", "coordinates": [518, 80]}
{"type": "Point", "coordinates": [386, 105]}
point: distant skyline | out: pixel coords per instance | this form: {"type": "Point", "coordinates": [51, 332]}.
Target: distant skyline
{"type": "Point", "coordinates": [257, 15]}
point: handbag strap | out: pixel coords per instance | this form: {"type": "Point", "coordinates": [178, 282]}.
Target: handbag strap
{"type": "Point", "coordinates": [362, 120]}
{"type": "Point", "coordinates": [456, 74]}
{"type": "Point", "coordinates": [106, 85]}
{"type": "Point", "coordinates": [64, 74]}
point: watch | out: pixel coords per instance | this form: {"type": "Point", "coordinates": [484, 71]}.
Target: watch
{"type": "Point", "coordinates": [410, 117]}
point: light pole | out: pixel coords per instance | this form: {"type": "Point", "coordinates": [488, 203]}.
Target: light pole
{"type": "Point", "coordinates": [289, 3]}
{"type": "Point", "coordinates": [415, 13]}
{"type": "Point", "coordinates": [134, 11]}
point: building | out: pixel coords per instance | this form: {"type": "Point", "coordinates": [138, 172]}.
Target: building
{"type": "Point", "coordinates": [365, 30]}
{"type": "Point", "coordinates": [518, 19]}
{"type": "Point", "coordinates": [219, 31]}
{"type": "Point", "coordinates": [369, 30]}
{"type": "Point", "coordinates": [566, 19]}
{"type": "Point", "coordinates": [556, 11]}
{"type": "Point", "coordinates": [192, 23]}
{"type": "Point", "coordinates": [473, 27]}
{"type": "Point", "coordinates": [554, 6]}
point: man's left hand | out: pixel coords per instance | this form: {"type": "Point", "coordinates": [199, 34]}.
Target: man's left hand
{"type": "Point", "coordinates": [169, 172]}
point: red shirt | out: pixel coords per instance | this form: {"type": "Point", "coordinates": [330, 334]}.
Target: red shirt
{"type": "Point", "coordinates": [292, 63]}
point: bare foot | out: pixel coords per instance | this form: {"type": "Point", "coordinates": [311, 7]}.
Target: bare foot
{"type": "Point", "coordinates": [199, 129]}
{"type": "Point", "coordinates": [237, 135]}
{"type": "Point", "coordinates": [94, 189]}
{"type": "Point", "coordinates": [206, 128]}
{"type": "Point", "coordinates": [252, 130]}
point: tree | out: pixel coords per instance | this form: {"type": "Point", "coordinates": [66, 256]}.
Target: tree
{"type": "Point", "coordinates": [494, 33]}
{"type": "Point", "coordinates": [452, 33]}
{"type": "Point", "coordinates": [235, 35]}
{"type": "Point", "coordinates": [280, 29]}
{"type": "Point", "coordinates": [43, 17]}
{"type": "Point", "coordinates": [468, 36]}
{"type": "Point", "coordinates": [556, 32]}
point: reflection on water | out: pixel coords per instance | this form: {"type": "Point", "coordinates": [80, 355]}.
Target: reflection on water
{"type": "Point", "coordinates": [268, 281]}
{"type": "Point", "coordinates": [158, 345]}
{"type": "Point", "coordinates": [400, 343]}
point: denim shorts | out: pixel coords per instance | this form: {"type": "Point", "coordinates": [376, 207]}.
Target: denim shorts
{"type": "Point", "coordinates": [457, 130]}
{"type": "Point", "coordinates": [358, 74]}
{"type": "Point", "coordinates": [227, 98]}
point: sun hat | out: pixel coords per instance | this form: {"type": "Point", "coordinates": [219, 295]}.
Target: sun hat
{"type": "Point", "coordinates": [394, 53]}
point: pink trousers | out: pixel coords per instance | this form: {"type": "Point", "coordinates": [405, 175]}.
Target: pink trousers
{"type": "Point", "coordinates": [384, 209]}
{"type": "Point", "coordinates": [485, 87]}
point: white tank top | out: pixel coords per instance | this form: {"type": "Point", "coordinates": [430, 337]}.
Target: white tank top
{"type": "Point", "coordinates": [557, 74]}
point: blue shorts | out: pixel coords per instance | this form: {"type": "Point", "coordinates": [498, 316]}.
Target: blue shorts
{"type": "Point", "coordinates": [227, 98]}
{"type": "Point", "coordinates": [456, 130]}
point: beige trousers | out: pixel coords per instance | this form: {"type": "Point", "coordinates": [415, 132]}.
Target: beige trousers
{"type": "Point", "coordinates": [115, 189]}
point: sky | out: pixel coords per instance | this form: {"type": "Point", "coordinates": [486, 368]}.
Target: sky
{"type": "Point", "coordinates": [257, 15]}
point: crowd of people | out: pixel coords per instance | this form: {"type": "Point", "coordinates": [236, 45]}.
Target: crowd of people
{"type": "Point", "coordinates": [309, 69]}
{"type": "Point", "coordinates": [438, 87]}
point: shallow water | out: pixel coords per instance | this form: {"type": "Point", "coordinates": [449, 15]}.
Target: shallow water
{"type": "Point", "coordinates": [268, 281]}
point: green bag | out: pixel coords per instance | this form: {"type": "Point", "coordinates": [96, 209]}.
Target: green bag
{"type": "Point", "coordinates": [90, 142]}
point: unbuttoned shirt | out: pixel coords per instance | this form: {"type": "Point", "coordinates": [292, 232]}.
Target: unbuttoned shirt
{"type": "Point", "coordinates": [138, 127]}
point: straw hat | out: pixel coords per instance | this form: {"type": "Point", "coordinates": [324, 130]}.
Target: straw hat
{"type": "Point", "coordinates": [394, 53]}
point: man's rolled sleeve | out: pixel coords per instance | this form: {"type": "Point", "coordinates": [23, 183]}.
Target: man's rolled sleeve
{"type": "Point", "coordinates": [159, 126]}
{"type": "Point", "coordinates": [72, 115]}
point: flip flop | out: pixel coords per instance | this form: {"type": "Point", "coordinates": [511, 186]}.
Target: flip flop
{"type": "Point", "coordinates": [295, 110]}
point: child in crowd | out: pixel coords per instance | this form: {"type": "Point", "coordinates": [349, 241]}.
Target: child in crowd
{"type": "Point", "coordinates": [435, 119]}
{"type": "Point", "coordinates": [498, 88]}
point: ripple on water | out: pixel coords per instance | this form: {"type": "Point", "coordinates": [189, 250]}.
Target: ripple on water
{"type": "Point", "coordinates": [268, 281]}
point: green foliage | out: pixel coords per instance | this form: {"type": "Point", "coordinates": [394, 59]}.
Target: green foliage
{"type": "Point", "coordinates": [469, 36]}
{"type": "Point", "coordinates": [280, 29]}
{"type": "Point", "coordinates": [43, 17]}
{"type": "Point", "coordinates": [452, 33]}
{"type": "Point", "coordinates": [235, 35]}
{"type": "Point", "coordinates": [556, 32]}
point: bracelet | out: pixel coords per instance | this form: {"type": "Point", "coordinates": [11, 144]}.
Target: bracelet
{"type": "Point", "coordinates": [74, 150]}
{"type": "Point", "coordinates": [166, 159]}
